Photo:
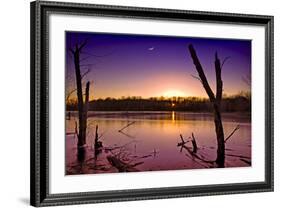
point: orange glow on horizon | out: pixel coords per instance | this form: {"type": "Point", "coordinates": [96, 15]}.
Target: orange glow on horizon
{"type": "Point", "coordinates": [174, 93]}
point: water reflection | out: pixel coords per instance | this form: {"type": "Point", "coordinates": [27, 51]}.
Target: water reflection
{"type": "Point", "coordinates": [173, 115]}
{"type": "Point", "coordinates": [153, 138]}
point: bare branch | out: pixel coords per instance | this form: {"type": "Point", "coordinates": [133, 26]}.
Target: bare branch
{"type": "Point", "coordinates": [224, 60]}
{"type": "Point", "coordinates": [82, 65]}
{"type": "Point", "coordinates": [230, 135]}
{"type": "Point", "coordinates": [182, 139]}
{"type": "Point", "coordinates": [82, 45]}
{"type": "Point", "coordinates": [69, 94]}
{"type": "Point", "coordinates": [87, 72]}
{"type": "Point", "coordinates": [84, 59]}
{"type": "Point", "coordinates": [71, 50]}
{"type": "Point", "coordinates": [97, 56]}
{"type": "Point", "coordinates": [195, 77]}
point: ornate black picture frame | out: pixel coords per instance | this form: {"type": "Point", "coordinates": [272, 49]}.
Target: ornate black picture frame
{"type": "Point", "coordinates": [40, 179]}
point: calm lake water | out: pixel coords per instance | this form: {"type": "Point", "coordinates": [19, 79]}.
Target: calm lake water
{"type": "Point", "coordinates": [150, 141]}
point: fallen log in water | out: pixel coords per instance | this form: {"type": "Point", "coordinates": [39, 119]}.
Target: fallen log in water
{"type": "Point", "coordinates": [127, 135]}
{"type": "Point", "coordinates": [122, 166]}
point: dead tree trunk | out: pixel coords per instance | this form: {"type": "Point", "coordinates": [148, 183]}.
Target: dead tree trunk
{"type": "Point", "coordinates": [215, 100]}
{"type": "Point", "coordinates": [85, 113]}
{"type": "Point", "coordinates": [82, 106]}
{"type": "Point", "coordinates": [98, 144]}
{"type": "Point", "coordinates": [96, 136]}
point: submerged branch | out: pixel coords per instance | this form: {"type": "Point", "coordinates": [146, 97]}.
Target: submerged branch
{"type": "Point", "coordinates": [120, 165]}
{"type": "Point", "coordinates": [129, 124]}
{"type": "Point", "coordinates": [203, 165]}
{"type": "Point", "coordinates": [127, 135]}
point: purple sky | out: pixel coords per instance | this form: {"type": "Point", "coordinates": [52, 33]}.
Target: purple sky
{"type": "Point", "coordinates": [152, 66]}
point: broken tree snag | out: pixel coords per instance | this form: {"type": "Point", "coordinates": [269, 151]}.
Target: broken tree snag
{"type": "Point", "coordinates": [194, 144]}
{"type": "Point", "coordinates": [182, 141]}
{"type": "Point", "coordinates": [97, 134]}
{"type": "Point", "coordinates": [98, 144]}
{"type": "Point", "coordinates": [215, 100]}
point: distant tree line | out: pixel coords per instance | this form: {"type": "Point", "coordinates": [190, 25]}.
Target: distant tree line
{"type": "Point", "coordinates": [240, 102]}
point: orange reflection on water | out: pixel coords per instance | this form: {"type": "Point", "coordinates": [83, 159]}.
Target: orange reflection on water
{"type": "Point", "coordinates": [155, 135]}
{"type": "Point", "coordinates": [173, 115]}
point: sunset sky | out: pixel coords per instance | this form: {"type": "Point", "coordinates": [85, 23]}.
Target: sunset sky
{"type": "Point", "coordinates": [153, 66]}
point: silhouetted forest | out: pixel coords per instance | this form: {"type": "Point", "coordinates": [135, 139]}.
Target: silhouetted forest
{"type": "Point", "coordinates": [236, 103]}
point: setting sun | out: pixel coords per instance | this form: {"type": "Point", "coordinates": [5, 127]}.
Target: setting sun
{"type": "Point", "coordinates": [174, 93]}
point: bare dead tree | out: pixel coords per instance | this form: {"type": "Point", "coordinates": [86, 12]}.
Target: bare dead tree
{"type": "Point", "coordinates": [82, 105]}
{"type": "Point", "coordinates": [214, 99]}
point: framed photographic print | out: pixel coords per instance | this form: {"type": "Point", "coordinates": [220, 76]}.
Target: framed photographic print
{"type": "Point", "coordinates": [135, 103]}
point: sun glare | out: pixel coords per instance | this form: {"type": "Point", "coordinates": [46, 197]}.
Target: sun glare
{"type": "Point", "coordinates": [174, 93]}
